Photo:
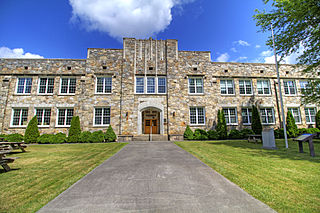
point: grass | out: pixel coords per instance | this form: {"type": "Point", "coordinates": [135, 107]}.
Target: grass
{"type": "Point", "coordinates": [44, 171]}
{"type": "Point", "coordinates": [284, 179]}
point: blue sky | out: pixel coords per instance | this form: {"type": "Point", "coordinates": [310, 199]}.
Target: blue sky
{"type": "Point", "coordinates": [65, 29]}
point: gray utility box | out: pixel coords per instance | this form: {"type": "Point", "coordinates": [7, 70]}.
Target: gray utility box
{"type": "Point", "coordinates": [268, 139]}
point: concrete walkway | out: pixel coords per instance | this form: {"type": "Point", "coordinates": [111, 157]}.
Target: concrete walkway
{"type": "Point", "coordinates": [154, 177]}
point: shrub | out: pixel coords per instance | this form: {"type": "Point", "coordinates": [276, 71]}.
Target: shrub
{"type": "Point", "coordinates": [279, 133]}
{"type": "Point", "coordinates": [74, 131]}
{"type": "Point", "coordinates": [246, 132]}
{"type": "Point", "coordinates": [256, 122]}
{"type": "Point", "coordinates": [200, 134]}
{"type": "Point", "coordinates": [312, 130]}
{"type": "Point", "coordinates": [46, 138]}
{"type": "Point", "coordinates": [188, 133]}
{"type": "Point", "coordinates": [60, 138]}
{"type": "Point", "coordinates": [234, 134]}
{"type": "Point", "coordinates": [32, 132]}
{"type": "Point", "coordinates": [318, 119]}
{"type": "Point", "coordinates": [14, 137]}
{"type": "Point", "coordinates": [110, 136]}
{"type": "Point", "coordinates": [85, 137]}
{"type": "Point", "coordinates": [292, 129]}
{"type": "Point", "coordinates": [97, 137]}
{"type": "Point", "coordinates": [213, 135]}
{"type": "Point", "coordinates": [221, 126]}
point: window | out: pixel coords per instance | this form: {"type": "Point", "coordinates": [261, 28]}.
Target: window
{"type": "Point", "coordinates": [310, 115]}
{"type": "Point", "coordinates": [195, 85]}
{"type": "Point", "coordinates": [104, 85]}
{"type": "Point", "coordinates": [68, 86]}
{"type": "Point", "coordinates": [267, 116]}
{"type": "Point", "coordinates": [64, 116]}
{"type": "Point", "coordinates": [24, 85]}
{"type": "Point", "coordinates": [151, 85]}
{"type": "Point", "coordinates": [289, 87]}
{"type": "Point", "coordinates": [19, 117]}
{"type": "Point", "coordinates": [197, 116]}
{"type": "Point", "coordinates": [303, 86]}
{"type": "Point", "coordinates": [296, 114]}
{"type": "Point", "coordinates": [46, 85]}
{"type": "Point", "coordinates": [102, 116]}
{"type": "Point", "coordinates": [263, 87]}
{"type": "Point", "coordinates": [139, 84]}
{"type": "Point", "coordinates": [246, 114]}
{"type": "Point", "coordinates": [230, 115]}
{"type": "Point", "coordinates": [162, 85]}
{"type": "Point", "coordinates": [226, 87]}
{"type": "Point", "coordinates": [245, 87]}
{"type": "Point", "coordinates": [43, 116]}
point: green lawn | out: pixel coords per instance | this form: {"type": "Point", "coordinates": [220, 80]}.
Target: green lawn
{"type": "Point", "coordinates": [284, 179]}
{"type": "Point", "coordinates": [44, 171]}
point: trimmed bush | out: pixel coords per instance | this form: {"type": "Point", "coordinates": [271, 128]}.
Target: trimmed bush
{"type": "Point", "coordinates": [234, 134]}
{"type": "Point", "coordinates": [256, 121]}
{"type": "Point", "coordinates": [14, 137]}
{"type": "Point", "coordinates": [292, 129]}
{"type": "Point", "coordinates": [110, 136]}
{"type": "Point", "coordinates": [60, 138]}
{"type": "Point", "coordinates": [279, 133]}
{"type": "Point", "coordinates": [85, 137]}
{"type": "Point", "coordinates": [46, 138]}
{"type": "Point", "coordinates": [213, 135]}
{"type": "Point", "coordinates": [75, 130]}
{"type": "Point", "coordinates": [318, 119]}
{"type": "Point", "coordinates": [222, 126]}
{"type": "Point", "coordinates": [32, 132]}
{"type": "Point", "coordinates": [188, 133]}
{"type": "Point", "coordinates": [200, 134]}
{"type": "Point", "coordinates": [97, 137]}
{"type": "Point", "coordinates": [246, 132]}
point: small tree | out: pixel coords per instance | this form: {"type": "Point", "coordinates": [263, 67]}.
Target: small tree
{"type": "Point", "coordinates": [32, 131]}
{"type": "Point", "coordinates": [318, 120]}
{"type": "Point", "coordinates": [74, 131]}
{"type": "Point", "coordinates": [222, 125]}
{"type": "Point", "coordinates": [292, 129]}
{"type": "Point", "coordinates": [188, 133]}
{"type": "Point", "coordinates": [256, 122]}
{"type": "Point", "coordinates": [110, 136]}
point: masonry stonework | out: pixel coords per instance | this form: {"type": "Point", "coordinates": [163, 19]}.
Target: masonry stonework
{"type": "Point", "coordinates": [130, 111]}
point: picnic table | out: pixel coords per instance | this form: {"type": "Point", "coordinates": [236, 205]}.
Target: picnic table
{"type": "Point", "coordinates": [254, 138]}
{"type": "Point", "coordinates": [5, 145]}
{"type": "Point", "coordinates": [4, 160]}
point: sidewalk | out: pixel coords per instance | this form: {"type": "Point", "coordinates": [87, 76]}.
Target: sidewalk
{"type": "Point", "coordinates": [154, 177]}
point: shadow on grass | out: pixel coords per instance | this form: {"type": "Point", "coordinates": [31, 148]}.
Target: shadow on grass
{"type": "Point", "coordinates": [281, 152]}
{"type": "Point", "coordinates": [11, 169]}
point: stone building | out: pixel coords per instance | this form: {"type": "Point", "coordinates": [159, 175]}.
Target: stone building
{"type": "Point", "coordinates": [149, 86]}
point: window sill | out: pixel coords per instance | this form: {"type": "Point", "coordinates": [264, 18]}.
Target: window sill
{"type": "Point", "coordinates": [288, 95]}
{"type": "Point", "coordinates": [66, 126]}
{"type": "Point", "coordinates": [228, 94]}
{"type": "Point", "coordinates": [195, 94]}
{"type": "Point", "coordinates": [311, 123]}
{"type": "Point", "coordinates": [246, 124]}
{"type": "Point", "coordinates": [246, 94]}
{"type": "Point", "coordinates": [23, 94]}
{"type": "Point", "coordinates": [234, 124]}
{"type": "Point", "coordinates": [44, 126]}
{"type": "Point", "coordinates": [264, 94]}
{"type": "Point", "coordinates": [16, 127]}
{"type": "Point", "coordinates": [45, 94]}
{"type": "Point", "coordinates": [150, 93]}
{"type": "Point", "coordinates": [195, 125]}
{"type": "Point", "coordinates": [62, 94]}
{"type": "Point", "coordinates": [267, 124]}
{"type": "Point", "coordinates": [101, 125]}
{"type": "Point", "coordinates": [102, 93]}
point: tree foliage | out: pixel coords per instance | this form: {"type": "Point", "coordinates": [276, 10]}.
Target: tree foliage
{"type": "Point", "coordinates": [32, 131]}
{"type": "Point", "coordinates": [221, 125]}
{"type": "Point", "coordinates": [75, 130]}
{"type": "Point", "coordinates": [256, 121]}
{"type": "Point", "coordinates": [188, 133]}
{"type": "Point", "coordinates": [292, 129]}
{"type": "Point", "coordinates": [297, 30]}
{"type": "Point", "coordinates": [110, 136]}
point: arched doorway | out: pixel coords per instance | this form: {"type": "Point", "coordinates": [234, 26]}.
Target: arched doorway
{"type": "Point", "coordinates": [150, 121]}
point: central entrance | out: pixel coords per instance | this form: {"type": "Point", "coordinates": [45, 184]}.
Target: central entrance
{"type": "Point", "coordinates": [151, 121]}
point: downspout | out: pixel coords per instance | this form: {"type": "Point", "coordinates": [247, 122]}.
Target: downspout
{"type": "Point", "coordinates": [277, 100]}
{"type": "Point", "coordinates": [167, 95]}
{"type": "Point", "coordinates": [120, 116]}
{"type": "Point", "coordinates": [6, 104]}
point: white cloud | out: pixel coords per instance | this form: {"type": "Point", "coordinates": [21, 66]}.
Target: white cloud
{"type": "Point", "coordinates": [223, 57]}
{"type": "Point", "coordinates": [125, 18]}
{"type": "Point", "coordinates": [266, 53]}
{"type": "Point", "coordinates": [242, 43]}
{"type": "Point", "coordinates": [6, 52]}
{"type": "Point", "coordinates": [241, 58]}
{"type": "Point", "coordinates": [258, 46]}
{"type": "Point", "coordinates": [268, 57]}
{"type": "Point", "coordinates": [233, 50]}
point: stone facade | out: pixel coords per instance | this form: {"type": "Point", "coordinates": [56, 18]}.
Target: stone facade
{"type": "Point", "coordinates": [168, 107]}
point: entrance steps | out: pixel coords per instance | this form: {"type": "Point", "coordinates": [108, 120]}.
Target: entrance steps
{"type": "Point", "coordinates": [150, 138]}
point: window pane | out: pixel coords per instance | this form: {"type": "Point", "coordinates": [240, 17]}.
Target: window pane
{"type": "Point", "coordinates": [139, 85]}
{"type": "Point", "coordinates": [72, 85]}
{"type": "Point", "coordinates": [199, 85]}
{"type": "Point", "coordinates": [28, 85]}
{"type": "Point", "coordinates": [24, 117]}
{"type": "Point", "coordinates": [223, 88]}
{"type": "Point", "coordinates": [16, 117]}
{"type": "Point", "coordinates": [61, 116]}
{"type": "Point", "coordinates": [200, 115]}
{"type": "Point", "coordinates": [161, 85]}
{"type": "Point", "coordinates": [99, 85]}
{"type": "Point", "coordinates": [43, 85]}
{"type": "Point", "coordinates": [150, 85]}
{"type": "Point", "coordinates": [98, 116]}
{"type": "Point", "coordinates": [39, 113]}
{"type": "Point", "coordinates": [64, 85]}
{"type": "Point", "coordinates": [50, 85]}
{"type": "Point", "coordinates": [193, 117]}
{"type": "Point", "coordinates": [46, 117]}
{"type": "Point", "coordinates": [21, 82]}
{"type": "Point", "coordinates": [69, 116]}
{"type": "Point", "coordinates": [192, 88]}
{"type": "Point", "coordinates": [108, 85]}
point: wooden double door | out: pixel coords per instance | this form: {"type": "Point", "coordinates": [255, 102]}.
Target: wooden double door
{"type": "Point", "coordinates": [151, 126]}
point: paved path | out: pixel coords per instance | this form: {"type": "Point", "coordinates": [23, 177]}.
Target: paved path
{"type": "Point", "coordinates": [154, 177]}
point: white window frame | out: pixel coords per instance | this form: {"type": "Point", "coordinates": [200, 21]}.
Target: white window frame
{"type": "Point", "coordinates": [46, 90]}
{"type": "Point", "coordinates": [145, 84]}
{"type": "Point", "coordinates": [103, 85]}
{"type": "Point", "coordinates": [154, 85]}
{"type": "Point", "coordinates": [226, 86]}
{"type": "Point", "coordinates": [263, 87]}
{"type": "Point", "coordinates": [20, 116]}
{"type": "Point", "coordinates": [266, 112]}
{"type": "Point", "coordinates": [303, 86]}
{"type": "Point", "coordinates": [43, 108]}
{"type": "Point", "coordinates": [195, 85]}
{"type": "Point", "coordinates": [68, 89]}
{"type": "Point", "coordinates": [65, 116]}
{"type": "Point", "coordinates": [291, 109]}
{"type": "Point", "coordinates": [135, 85]}
{"type": "Point", "coordinates": [309, 115]}
{"type": "Point", "coordinates": [24, 86]}
{"type": "Point", "coordinates": [229, 115]}
{"type": "Point", "coordinates": [285, 82]}
{"type": "Point", "coordinates": [245, 87]}
{"type": "Point", "coordinates": [165, 85]}
{"type": "Point", "coordinates": [247, 115]}
{"type": "Point", "coordinates": [197, 116]}
{"type": "Point", "coordinates": [94, 115]}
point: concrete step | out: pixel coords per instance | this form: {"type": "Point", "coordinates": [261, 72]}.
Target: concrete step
{"type": "Point", "coordinates": [150, 138]}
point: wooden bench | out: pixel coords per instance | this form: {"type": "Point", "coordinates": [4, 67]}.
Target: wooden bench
{"type": "Point", "coordinates": [254, 138]}
{"type": "Point", "coordinates": [4, 160]}
{"type": "Point", "coordinates": [14, 145]}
